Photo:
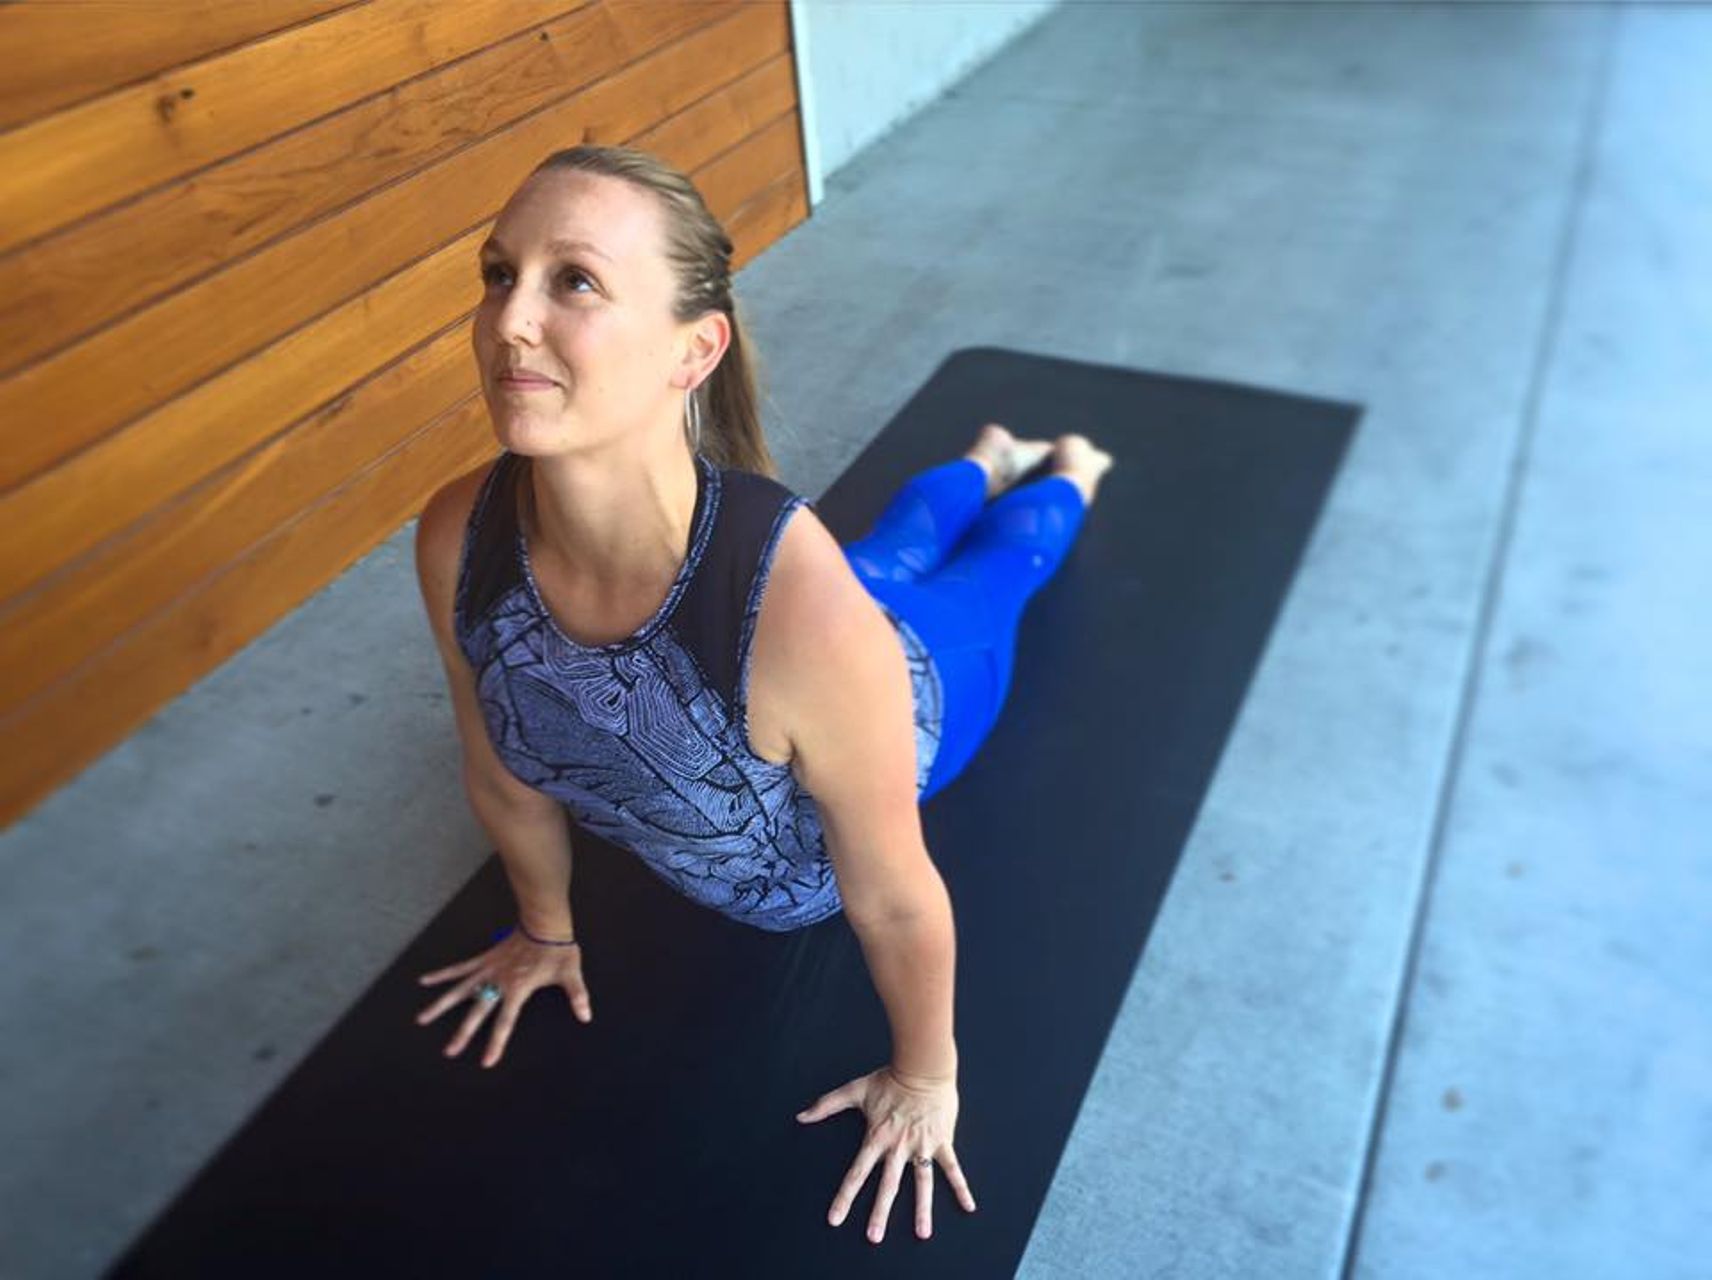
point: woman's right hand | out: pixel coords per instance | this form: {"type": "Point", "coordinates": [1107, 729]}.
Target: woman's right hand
{"type": "Point", "coordinates": [518, 967]}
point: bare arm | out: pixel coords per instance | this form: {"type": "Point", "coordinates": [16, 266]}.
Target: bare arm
{"type": "Point", "coordinates": [838, 671]}
{"type": "Point", "coordinates": [529, 829]}
{"type": "Point", "coordinates": [535, 850]}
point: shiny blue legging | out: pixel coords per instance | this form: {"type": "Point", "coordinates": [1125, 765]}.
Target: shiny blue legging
{"type": "Point", "coordinates": [959, 570]}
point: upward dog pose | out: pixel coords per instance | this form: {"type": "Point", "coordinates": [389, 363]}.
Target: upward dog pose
{"type": "Point", "coordinates": [642, 627]}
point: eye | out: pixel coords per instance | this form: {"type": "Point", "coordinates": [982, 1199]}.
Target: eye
{"type": "Point", "coordinates": [571, 273]}
{"type": "Point", "coordinates": [492, 270]}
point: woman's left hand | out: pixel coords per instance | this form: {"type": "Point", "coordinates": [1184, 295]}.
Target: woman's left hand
{"type": "Point", "coordinates": [908, 1118]}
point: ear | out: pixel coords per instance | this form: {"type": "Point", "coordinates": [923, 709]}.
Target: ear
{"type": "Point", "coordinates": [705, 343]}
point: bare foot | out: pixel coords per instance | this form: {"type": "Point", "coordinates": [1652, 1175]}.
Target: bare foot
{"type": "Point", "coordinates": [1080, 461]}
{"type": "Point", "coordinates": [1004, 456]}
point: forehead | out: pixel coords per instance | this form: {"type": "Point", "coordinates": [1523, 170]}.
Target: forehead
{"type": "Point", "coordinates": [619, 220]}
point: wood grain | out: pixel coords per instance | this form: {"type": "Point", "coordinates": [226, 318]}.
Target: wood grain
{"type": "Point", "coordinates": [236, 350]}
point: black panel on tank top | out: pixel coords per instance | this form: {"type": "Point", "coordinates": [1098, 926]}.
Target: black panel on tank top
{"type": "Point", "coordinates": [490, 542]}
{"type": "Point", "coordinates": [709, 618]}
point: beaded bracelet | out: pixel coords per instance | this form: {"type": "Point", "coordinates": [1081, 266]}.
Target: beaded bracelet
{"type": "Point", "coordinates": [546, 942]}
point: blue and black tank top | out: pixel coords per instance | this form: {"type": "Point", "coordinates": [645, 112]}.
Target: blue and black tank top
{"type": "Point", "coordinates": [645, 740]}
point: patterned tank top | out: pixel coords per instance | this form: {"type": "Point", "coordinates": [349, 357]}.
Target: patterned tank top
{"type": "Point", "coordinates": [645, 740]}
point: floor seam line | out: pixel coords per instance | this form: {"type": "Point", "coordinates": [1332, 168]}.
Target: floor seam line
{"type": "Point", "coordinates": [1580, 185]}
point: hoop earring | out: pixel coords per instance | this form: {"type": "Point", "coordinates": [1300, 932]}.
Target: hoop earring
{"type": "Point", "coordinates": [692, 417]}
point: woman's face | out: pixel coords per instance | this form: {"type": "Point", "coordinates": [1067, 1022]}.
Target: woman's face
{"type": "Point", "coordinates": [576, 290]}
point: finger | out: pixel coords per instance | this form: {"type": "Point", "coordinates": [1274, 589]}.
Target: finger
{"type": "Point", "coordinates": [472, 1020]}
{"type": "Point", "coordinates": [829, 1104]}
{"type": "Point", "coordinates": [450, 971]}
{"type": "Point", "coordinates": [865, 1159]}
{"type": "Point", "coordinates": [580, 1004]}
{"type": "Point", "coordinates": [448, 998]}
{"type": "Point", "coordinates": [954, 1175]}
{"type": "Point", "coordinates": [924, 1200]}
{"type": "Point", "coordinates": [889, 1182]}
{"type": "Point", "coordinates": [501, 1032]}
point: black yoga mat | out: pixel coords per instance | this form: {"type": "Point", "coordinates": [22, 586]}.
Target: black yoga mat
{"type": "Point", "coordinates": [660, 1139]}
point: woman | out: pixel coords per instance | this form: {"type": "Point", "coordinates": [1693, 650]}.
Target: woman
{"type": "Point", "coordinates": [641, 626]}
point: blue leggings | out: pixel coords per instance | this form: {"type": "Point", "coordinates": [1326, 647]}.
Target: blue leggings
{"type": "Point", "coordinates": [959, 569]}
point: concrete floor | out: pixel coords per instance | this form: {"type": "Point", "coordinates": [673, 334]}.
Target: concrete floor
{"type": "Point", "coordinates": [1427, 997]}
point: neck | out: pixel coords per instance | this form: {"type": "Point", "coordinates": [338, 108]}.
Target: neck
{"type": "Point", "coordinates": [613, 520]}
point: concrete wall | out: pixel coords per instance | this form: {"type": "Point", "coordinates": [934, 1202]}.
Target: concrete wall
{"type": "Point", "coordinates": [864, 65]}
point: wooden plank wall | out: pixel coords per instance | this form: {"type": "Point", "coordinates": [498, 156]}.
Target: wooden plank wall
{"type": "Point", "coordinates": [237, 265]}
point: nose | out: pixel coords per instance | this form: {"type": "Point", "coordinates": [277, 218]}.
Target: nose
{"type": "Point", "coordinates": [519, 318]}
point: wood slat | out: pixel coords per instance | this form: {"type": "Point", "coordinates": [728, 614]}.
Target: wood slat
{"type": "Point", "coordinates": [115, 691]}
{"type": "Point", "coordinates": [769, 153]}
{"type": "Point", "coordinates": [54, 53]}
{"type": "Point", "coordinates": [78, 279]}
{"type": "Point", "coordinates": [767, 215]}
{"type": "Point", "coordinates": [744, 107]}
{"type": "Point", "coordinates": [148, 358]}
{"type": "Point", "coordinates": [109, 697]}
{"type": "Point", "coordinates": [87, 157]}
{"type": "Point", "coordinates": [179, 546]}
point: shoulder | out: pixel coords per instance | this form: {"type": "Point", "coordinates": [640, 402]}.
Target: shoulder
{"type": "Point", "coordinates": [447, 511]}
{"type": "Point", "coordinates": [817, 617]}
{"type": "Point", "coordinates": [811, 589]}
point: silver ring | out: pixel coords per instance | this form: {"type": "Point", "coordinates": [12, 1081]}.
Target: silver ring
{"type": "Point", "coordinates": [924, 1159]}
{"type": "Point", "coordinates": [488, 992]}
